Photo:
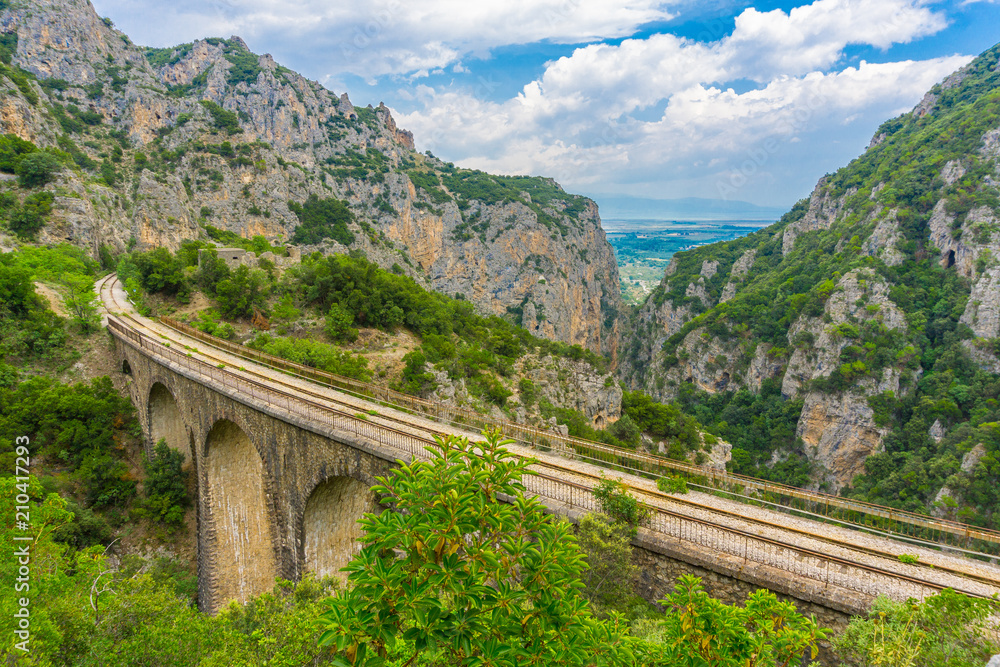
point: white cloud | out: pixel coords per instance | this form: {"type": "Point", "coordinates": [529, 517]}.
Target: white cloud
{"type": "Point", "coordinates": [575, 121]}
{"type": "Point", "coordinates": [383, 37]}
{"type": "Point", "coordinates": [705, 132]}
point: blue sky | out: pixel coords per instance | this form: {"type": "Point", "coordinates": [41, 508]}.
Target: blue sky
{"type": "Point", "coordinates": [750, 101]}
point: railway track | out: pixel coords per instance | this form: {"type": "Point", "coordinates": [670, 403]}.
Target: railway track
{"type": "Point", "coordinates": [821, 546]}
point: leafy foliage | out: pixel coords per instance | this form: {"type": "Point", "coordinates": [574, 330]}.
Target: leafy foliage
{"type": "Point", "coordinates": [244, 291]}
{"type": "Point", "coordinates": [476, 582]}
{"type": "Point", "coordinates": [12, 151]}
{"type": "Point", "coordinates": [80, 425]}
{"type": "Point", "coordinates": [698, 630]}
{"type": "Point", "coordinates": [945, 630]}
{"type": "Point", "coordinates": [244, 66]}
{"type": "Point", "coordinates": [36, 168]}
{"type": "Point", "coordinates": [165, 488]}
{"type": "Point", "coordinates": [607, 546]}
{"type": "Point", "coordinates": [615, 501]}
{"type": "Point", "coordinates": [313, 353]}
{"type": "Point", "coordinates": [222, 119]}
{"type": "Point", "coordinates": [322, 219]}
{"type": "Point", "coordinates": [29, 218]}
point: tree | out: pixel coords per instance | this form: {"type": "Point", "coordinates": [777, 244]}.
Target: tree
{"type": "Point", "coordinates": [12, 151]}
{"type": "Point", "coordinates": [37, 168]}
{"type": "Point", "coordinates": [945, 630]}
{"type": "Point", "coordinates": [81, 299]}
{"type": "Point", "coordinates": [619, 505]}
{"type": "Point", "coordinates": [30, 217]}
{"type": "Point", "coordinates": [338, 324]}
{"type": "Point", "coordinates": [212, 269]}
{"type": "Point", "coordinates": [608, 548]}
{"type": "Point", "coordinates": [700, 631]}
{"type": "Point", "coordinates": [240, 293]}
{"type": "Point", "coordinates": [166, 484]}
{"type": "Point", "coordinates": [17, 291]}
{"type": "Point", "coordinates": [161, 271]}
{"type": "Point", "coordinates": [453, 576]}
{"type": "Point", "coordinates": [322, 219]}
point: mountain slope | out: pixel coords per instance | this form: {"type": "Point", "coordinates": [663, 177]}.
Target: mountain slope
{"type": "Point", "coordinates": [165, 142]}
{"type": "Point", "coordinates": [871, 311]}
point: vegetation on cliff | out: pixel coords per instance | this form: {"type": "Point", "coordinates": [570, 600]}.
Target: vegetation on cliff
{"type": "Point", "coordinates": [911, 227]}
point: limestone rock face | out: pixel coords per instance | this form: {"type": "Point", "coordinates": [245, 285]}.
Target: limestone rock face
{"type": "Point", "coordinates": [740, 269]}
{"type": "Point", "coordinates": [193, 139]}
{"type": "Point", "coordinates": [562, 382]}
{"type": "Point", "coordinates": [574, 384]}
{"type": "Point", "coordinates": [839, 433]}
{"type": "Point", "coordinates": [857, 299]}
{"type": "Point", "coordinates": [824, 209]}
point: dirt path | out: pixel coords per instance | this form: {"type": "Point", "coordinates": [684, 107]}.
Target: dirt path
{"type": "Point", "coordinates": [53, 297]}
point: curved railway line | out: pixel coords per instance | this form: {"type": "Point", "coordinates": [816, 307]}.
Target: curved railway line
{"type": "Point", "coordinates": [571, 483]}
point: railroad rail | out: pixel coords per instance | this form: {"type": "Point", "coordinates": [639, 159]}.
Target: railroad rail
{"type": "Point", "coordinates": [897, 523]}
{"type": "Point", "coordinates": [550, 483]}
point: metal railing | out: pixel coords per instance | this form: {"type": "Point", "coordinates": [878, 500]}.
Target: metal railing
{"type": "Point", "coordinates": [667, 526]}
{"type": "Point", "coordinates": [777, 496]}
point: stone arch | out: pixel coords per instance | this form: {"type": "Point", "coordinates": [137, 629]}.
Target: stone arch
{"type": "Point", "coordinates": [165, 421]}
{"type": "Point", "coordinates": [126, 368]}
{"type": "Point", "coordinates": [243, 561]}
{"type": "Point", "coordinates": [330, 524]}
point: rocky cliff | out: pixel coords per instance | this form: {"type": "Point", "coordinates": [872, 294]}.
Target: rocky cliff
{"type": "Point", "coordinates": [164, 142]}
{"type": "Point", "coordinates": [874, 305]}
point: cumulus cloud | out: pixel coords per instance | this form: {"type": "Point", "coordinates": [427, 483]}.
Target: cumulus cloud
{"type": "Point", "coordinates": [587, 118]}
{"type": "Point", "coordinates": [702, 138]}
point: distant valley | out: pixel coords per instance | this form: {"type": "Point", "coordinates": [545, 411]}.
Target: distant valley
{"type": "Point", "coordinates": [644, 247]}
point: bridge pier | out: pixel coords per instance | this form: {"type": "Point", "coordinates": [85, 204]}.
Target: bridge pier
{"type": "Point", "coordinates": [275, 497]}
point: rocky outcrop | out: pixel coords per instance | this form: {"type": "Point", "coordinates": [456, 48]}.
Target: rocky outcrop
{"type": "Point", "coordinates": [882, 242]}
{"type": "Point", "coordinates": [859, 298]}
{"type": "Point", "coordinates": [739, 271]}
{"type": "Point", "coordinates": [562, 382]}
{"type": "Point", "coordinates": [576, 385]}
{"type": "Point", "coordinates": [823, 210]}
{"type": "Point", "coordinates": [838, 433]}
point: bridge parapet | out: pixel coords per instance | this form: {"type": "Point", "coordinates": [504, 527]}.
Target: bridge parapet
{"type": "Point", "coordinates": [304, 443]}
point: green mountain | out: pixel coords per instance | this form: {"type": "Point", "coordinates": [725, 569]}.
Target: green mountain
{"type": "Point", "coordinates": [853, 344]}
{"type": "Point", "coordinates": [154, 146]}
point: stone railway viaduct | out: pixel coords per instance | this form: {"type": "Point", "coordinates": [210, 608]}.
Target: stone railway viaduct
{"type": "Point", "coordinates": [276, 496]}
{"type": "Point", "coordinates": [283, 480]}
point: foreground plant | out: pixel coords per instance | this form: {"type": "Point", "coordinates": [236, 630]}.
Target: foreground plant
{"type": "Point", "coordinates": [453, 576]}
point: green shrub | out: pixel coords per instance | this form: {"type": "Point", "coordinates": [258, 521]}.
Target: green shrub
{"type": "Point", "coordinates": [165, 488]}
{"type": "Point", "coordinates": [615, 501]}
{"type": "Point", "coordinates": [672, 484]}
{"type": "Point", "coordinates": [37, 168]}
{"type": "Point", "coordinates": [322, 219]}
{"type": "Point", "coordinates": [224, 120]}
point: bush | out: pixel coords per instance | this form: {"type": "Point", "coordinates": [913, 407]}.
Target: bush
{"type": "Point", "coordinates": [673, 484]}
{"type": "Point", "coordinates": [12, 151]}
{"type": "Point", "coordinates": [166, 485]}
{"type": "Point", "coordinates": [338, 324]}
{"type": "Point", "coordinates": [243, 292]}
{"type": "Point", "coordinates": [448, 574]}
{"type": "Point", "coordinates": [626, 430]}
{"type": "Point", "coordinates": [29, 219]}
{"type": "Point", "coordinates": [608, 548]}
{"type": "Point", "coordinates": [322, 219]}
{"type": "Point", "coordinates": [37, 168]}
{"type": "Point", "coordinates": [945, 630]}
{"type": "Point", "coordinates": [615, 501]}
{"type": "Point", "coordinates": [222, 119]}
